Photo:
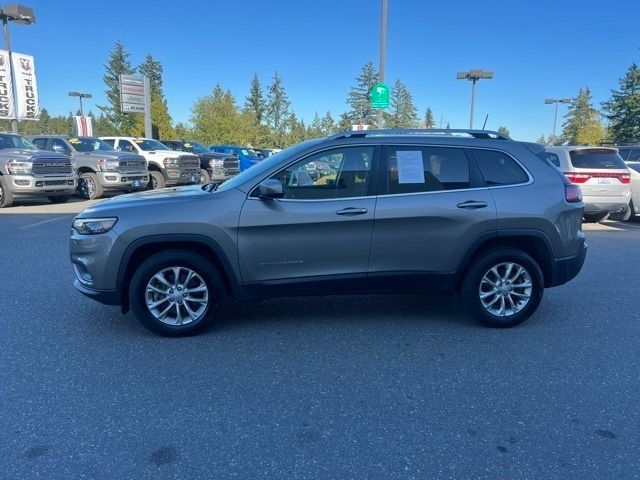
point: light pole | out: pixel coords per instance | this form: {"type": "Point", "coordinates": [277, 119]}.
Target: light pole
{"type": "Point", "coordinates": [474, 76]}
{"type": "Point", "coordinates": [549, 101]}
{"type": "Point", "coordinates": [24, 16]}
{"type": "Point", "coordinates": [80, 96]}
{"type": "Point", "coordinates": [383, 53]}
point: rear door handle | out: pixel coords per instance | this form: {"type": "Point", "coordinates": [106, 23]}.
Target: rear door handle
{"type": "Point", "coordinates": [352, 211]}
{"type": "Point", "coordinates": [473, 205]}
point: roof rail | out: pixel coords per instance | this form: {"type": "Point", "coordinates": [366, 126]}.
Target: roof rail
{"type": "Point", "coordinates": [480, 134]}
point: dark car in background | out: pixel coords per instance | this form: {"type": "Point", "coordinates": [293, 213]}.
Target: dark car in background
{"type": "Point", "coordinates": [248, 157]}
{"type": "Point", "coordinates": [214, 166]}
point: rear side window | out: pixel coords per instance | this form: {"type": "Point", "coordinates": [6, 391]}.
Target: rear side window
{"type": "Point", "coordinates": [596, 158]}
{"type": "Point", "coordinates": [414, 169]}
{"type": "Point", "coordinates": [624, 153]}
{"type": "Point", "coordinates": [499, 168]}
{"type": "Point", "coordinates": [553, 158]}
{"type": "Point", "coordinates": [635, 166]}
{"type": "Point", "coordinates": [633, 155]}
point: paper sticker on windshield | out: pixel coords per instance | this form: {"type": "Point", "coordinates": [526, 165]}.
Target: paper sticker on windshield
{"type": "Point", "coordinates": [139, 140]}
{"type": "Point", "coordinates": [188, 145]}
{"type": "Point", "coordinates": [74, 140]}
{"type": "Point", "coordinates": [410, 166]}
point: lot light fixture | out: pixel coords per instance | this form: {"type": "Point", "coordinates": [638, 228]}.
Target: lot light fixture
{"type": "Point", "coordinates": [80, 96]}
{"type": "Point", "coordinates": [473, 76]}
{"type": "Point", "coordinates": [24, 16]}
{"type": "Point", "coordinates": [549, 101]}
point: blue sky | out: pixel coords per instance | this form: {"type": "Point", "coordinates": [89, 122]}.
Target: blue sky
{"type": "Point", "coordinates": [536, 48]}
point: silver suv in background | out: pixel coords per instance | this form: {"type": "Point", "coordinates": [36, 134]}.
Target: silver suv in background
{"type": "Point", "coordinates": [27, 171]}
{"type": "Point", "coordinates": [356, 212]}
{"type": "Point", "coordinates": [99, 166]}
{"type": "Point", "coordinates": [602, 175]}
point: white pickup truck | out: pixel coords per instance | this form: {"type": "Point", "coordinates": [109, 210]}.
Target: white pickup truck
{"type": "Point", "coordinates": [166, 167]}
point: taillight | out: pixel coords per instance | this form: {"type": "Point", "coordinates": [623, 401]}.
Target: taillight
{"type": "Point", "coordinates": [582, 177]}
{"type": "Point", "coordinates": [572, 193]}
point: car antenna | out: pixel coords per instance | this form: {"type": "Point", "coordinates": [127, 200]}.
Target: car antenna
{"type": "Point", "coordinates": [485, 121]}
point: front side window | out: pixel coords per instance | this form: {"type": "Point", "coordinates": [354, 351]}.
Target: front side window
{"type": "Point", "coordinates": [89, 144]}
{"type": "Point", "coordinates": [147, 144]}
{"type": "Point", "coordinates": [41, 143]}
{"type": "Point", "coordinates": [59, 146]}
{"type": "Point", "coordinates": [498, 168]}
{"type": "Point", "coordinates": [414, 169]}
{"type": "Point", "coordinates": [109, 141]}
{"type": "Point", "coordinates": [15, 141]}
{"type": "Point", "coordinates": [338, 173]}
{"type": "Point", "coordinates": [126, 146]}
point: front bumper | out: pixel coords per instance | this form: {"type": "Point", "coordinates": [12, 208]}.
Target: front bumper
{"type": "Point", "coordinates": [177, 176]}
{"type": "Point", "coordinates": [34, 185]}
{"type": "Point", "coordinates": [106, 297]}
{"type": "Point", "coordinates": [221, 174]}
{"type": "Point", "coordinates": [119, 181]}
{"type": "Point", "coordinates": [565, 269]}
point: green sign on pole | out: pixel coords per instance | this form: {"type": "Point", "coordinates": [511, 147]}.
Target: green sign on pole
{"type": "Point", "coordinates": [380, 96]}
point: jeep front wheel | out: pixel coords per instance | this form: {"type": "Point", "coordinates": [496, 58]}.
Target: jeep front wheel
{"type": "Point", "coordinates": [502, 288]}
{"type": "Point", "coordinates": [176, 292]}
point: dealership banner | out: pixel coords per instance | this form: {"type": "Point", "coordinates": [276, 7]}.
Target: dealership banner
{"type": "Point", "coordinates": [84, 127]}
{"type": "Point", "coordinates": [26, 86]}
{"type": "Point", "coordinates": [7, 106]}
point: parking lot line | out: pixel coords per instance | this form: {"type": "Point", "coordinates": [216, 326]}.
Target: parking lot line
{"type": "Point", "coordinates": [43, 221]}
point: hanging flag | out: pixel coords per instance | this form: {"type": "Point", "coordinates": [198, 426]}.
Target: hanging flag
{"type": "Point", "coordinates": [84, 126]}
{"type": "Point", "coordinates": [26, 86]}
{"type": "Point", "coordinates": [7, 105]}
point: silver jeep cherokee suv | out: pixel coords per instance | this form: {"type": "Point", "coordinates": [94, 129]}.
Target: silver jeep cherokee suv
{"type": "Point", "coordinates": [356, 212]}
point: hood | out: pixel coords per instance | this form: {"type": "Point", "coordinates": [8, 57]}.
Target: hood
{"type": "Point", "coordinates": [169, 153]}
{"type": "Point", "coordinates": [33, 154]}
{"type": "Point", "coordinates": [113, 155]}
{"type": "Point", "coordinates": [145, 199]}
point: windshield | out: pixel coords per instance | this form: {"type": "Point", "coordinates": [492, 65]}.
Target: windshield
{"type": "Point", "coordinates": [195, 147]}
{"type": "Point", "coordinates": [265, 165]}
{"type": "Point", "coordinates": [15, 141]}
{"type": "Point", "coordinates": [147, 144]}
{"type": "Point", "coordinates": [596, 158]}
{"type": "Point", "coordinates": [88, 144]}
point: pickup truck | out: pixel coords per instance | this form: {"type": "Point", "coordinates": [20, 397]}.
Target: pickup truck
{"type": "Point", "coordinates": [100, 167]}
{"type": "Point", "coordinates": [248, 157]}
{"type": "Point", "coordinates": [166, 167]}
{"type": "Point", "coordinates": [27, 171]}
{"type": "Point", "coordinates": [214, 167]}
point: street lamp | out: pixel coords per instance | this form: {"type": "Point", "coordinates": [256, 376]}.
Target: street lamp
{"type": "Point", "coordinates": [474, 76]}
{"type": "Point", "coordinates": [549, 101]}
{"type": "Point", "coordinates": [23, 16]}
{"type": "Point", "coordinates": [80, 96]}
{"type": "Point", "coordinates": [383, 53]}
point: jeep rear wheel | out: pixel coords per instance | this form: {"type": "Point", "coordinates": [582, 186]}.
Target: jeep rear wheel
{"type": "Point", "coordinates": [502, 288]}
{"type": "Point", "coordinates": [6, 197]}
{"type": "Point", "coordinates": [176, 293]}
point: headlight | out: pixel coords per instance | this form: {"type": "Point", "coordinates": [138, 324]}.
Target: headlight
{"type": "Point", "coordinates": [108, 165]}
{"type": "Point", "coordinates": [216, 163]}
{"type": "Point", "coordinates": [170, 162]}
{"type": "Point", "coordinates": [19, 168]}
{"type": "Point", "coordinates": [93, 226]}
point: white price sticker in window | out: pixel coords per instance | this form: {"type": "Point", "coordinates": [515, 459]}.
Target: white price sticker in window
{"type": "Point", "coordinates": [410, 166]}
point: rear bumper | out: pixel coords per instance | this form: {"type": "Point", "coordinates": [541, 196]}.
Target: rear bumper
{"type": "Point", "coordinates": [106, 297]}
{"type": "Point", "coordinates": [605, 207]}
{"type": "Point", "coordinates": [567, 268]}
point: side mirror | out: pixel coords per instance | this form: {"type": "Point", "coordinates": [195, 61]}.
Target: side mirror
{"type": "Point", "coordinates": [270, 189]}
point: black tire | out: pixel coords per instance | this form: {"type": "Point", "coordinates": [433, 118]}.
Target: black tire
{"type": "Point", "coordinates": [59, 198]}
{"type": "Point", "coordinates": [624, 216]}
{"type": "Point", "coordinates": [184, 259]}
{"type": "Point", "coordinates": [6, 197]}
{"type": "Point", "coordinates": [156, 180]}
{"type": "Point", "coordinates": [471, 286]}
{"type": "Point", "coordinates": [204, 176]}
{"type": "Point", "coordinates": [88, 186]}
{"type": "Point", "coordinates": [595, 217]}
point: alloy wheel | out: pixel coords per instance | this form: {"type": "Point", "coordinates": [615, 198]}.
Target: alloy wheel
{"type": "Point", "coordinates": [505, 289]}
{"type": "Point", "coordinates": [177, 296]}
{"type": "Point", "coordinates": [87, 188]}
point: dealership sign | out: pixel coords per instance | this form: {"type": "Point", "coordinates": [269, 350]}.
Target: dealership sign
{"type": "Point", "coordinates": [7, 106]}
{"type": "Point", "coordinates": [133, 92]}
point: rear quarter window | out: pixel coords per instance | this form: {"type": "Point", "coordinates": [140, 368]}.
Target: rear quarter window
{"type": "Point", "coordinates": [600, 159]}
{"type": "Point", "coordinates": [498, 168]}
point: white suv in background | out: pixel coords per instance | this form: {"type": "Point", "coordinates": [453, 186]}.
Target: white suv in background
{"type": "Point", "coordinates": [166, 166]}
{"type": "Point", "coordinates": [602, 175]}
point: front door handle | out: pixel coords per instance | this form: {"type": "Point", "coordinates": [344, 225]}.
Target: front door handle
{"type": "Point", "coordinates": [352, 211]}
{"type": "Point", "coordinates": [473, 205]}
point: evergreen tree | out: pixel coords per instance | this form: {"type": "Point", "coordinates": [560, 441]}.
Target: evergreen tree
{"type": "Point", "coordinates": [315, 130]}
{"type": "Point", "coordinates": [403, 112]}
{"type": "Point", "coordinates": [255, 102]}
{"type": "Point", "coordinates": [582, 125]}
{"type": "Point", "coordinates": [161, 123]}
{"type": "Point", "coordinates": [183, 132]}
{"type": "Point", "coordinates": [542, 140]}
{"type": "Point", "coordinates": [623, 109]}
{"type": "Point", "coordinates": [328, 124]}
{"type": "Point", "coordinates": [216, 119]}
{"type": "Point", "coordinates": [296, 130]}
{"type": "Point", "coordinates": [503, 130]}
{"type": "Point", "coordinates": [278, 111]}
{"type": "Point", "coordinates": [123, 123]}
{"type": "Point", "coordinates": [429, 121]}
{"type": "Point", "coordinates": [359, 99]}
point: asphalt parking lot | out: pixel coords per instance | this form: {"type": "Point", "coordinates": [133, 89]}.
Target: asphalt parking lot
{"type": "Point", "coordinates": [333, 387]}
